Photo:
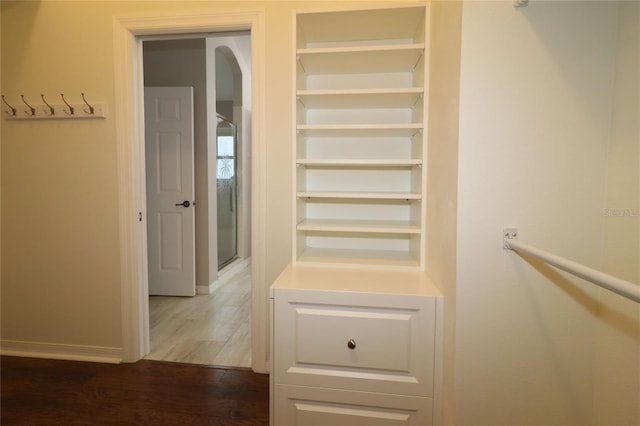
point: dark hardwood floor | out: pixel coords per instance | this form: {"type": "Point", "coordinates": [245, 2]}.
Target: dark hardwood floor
{"type": "Point", "coordinates": [52, 392]}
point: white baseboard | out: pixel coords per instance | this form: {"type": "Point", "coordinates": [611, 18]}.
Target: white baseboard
{"type": "Point", "coordinates": [223, 276]}
{"type": "Point", "coordinates": [203, 289]}
{"type": "Point", "coordinates": [61, 351]}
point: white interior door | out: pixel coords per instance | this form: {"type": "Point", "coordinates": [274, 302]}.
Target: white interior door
{"type": "Point", "coordinates": [170, 190]}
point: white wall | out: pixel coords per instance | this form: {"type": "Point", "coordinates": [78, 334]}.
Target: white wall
{"type": "Point", "coordinates": [536, 96]}
{"type": "Point", "coordinates": [617, 396]}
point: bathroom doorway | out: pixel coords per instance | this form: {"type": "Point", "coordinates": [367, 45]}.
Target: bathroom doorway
{"type": "Point", "coordinates": [215, 66]}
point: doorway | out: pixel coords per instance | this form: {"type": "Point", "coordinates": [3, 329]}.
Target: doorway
{"type": "Point", "coordinates": [215, 68]}
{"type": "Point", "coordinates": [127, 31]}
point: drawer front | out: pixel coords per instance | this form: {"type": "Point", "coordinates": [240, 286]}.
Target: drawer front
{"type": "Point", "coordinates": [353, 338]}
{"type": "Point", "coordinates": [303, 406]}
{"type": "Point", "coordinates": [382, 344]}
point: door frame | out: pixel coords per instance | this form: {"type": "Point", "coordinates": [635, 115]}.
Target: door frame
{"type": "Point", "coordinates": [129, 114]}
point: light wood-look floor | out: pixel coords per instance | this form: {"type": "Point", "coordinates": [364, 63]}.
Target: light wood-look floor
{"type": "Point", "coordinates": [212, 329]}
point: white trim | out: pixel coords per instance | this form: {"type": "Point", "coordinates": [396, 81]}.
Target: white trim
{"type": "Point", "coordinates": [438, 364]}
{"type": "Point", "coordinates": [127, 58]}
{"type": "Point", "coordinates": [203, 289]}
{"type": "Point", "coordinates": [224, 276]}
{"type": "Point", "coordinates": [61, 351]}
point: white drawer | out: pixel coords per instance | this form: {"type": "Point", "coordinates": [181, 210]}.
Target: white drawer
{"type": "Point", "coordinates": [369, 342]}
{"type": "Point", "coordinates": [302, 406]}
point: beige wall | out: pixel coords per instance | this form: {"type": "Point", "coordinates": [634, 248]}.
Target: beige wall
{"type": "Point", "coordinates": [61, 279]}
{"type": "Point", "coordinates": [617, 397]}
{"type": "Point", "coordinates": [1, 168]}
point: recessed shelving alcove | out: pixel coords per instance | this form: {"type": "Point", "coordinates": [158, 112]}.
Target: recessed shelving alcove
{"type": "Point", "coordinates": [360, 136]}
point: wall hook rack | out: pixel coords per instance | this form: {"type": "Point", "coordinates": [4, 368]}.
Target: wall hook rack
{"type": "Point", "coordinates": [12, 109]}
{"type": "Point", "coordinates": [47, 110]}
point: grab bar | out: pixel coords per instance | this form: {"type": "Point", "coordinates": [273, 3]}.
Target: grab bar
{"type": "Point", "coordinates": [617, 285]}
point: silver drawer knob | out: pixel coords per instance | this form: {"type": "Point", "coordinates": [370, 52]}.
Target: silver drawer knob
{"type": "Point", "coordinates": [351, 344]}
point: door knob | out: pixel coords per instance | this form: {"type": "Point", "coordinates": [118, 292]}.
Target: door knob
{"type": "Point", "coordinates": [185, 203]}
{"type": "Point", "coordinates": [351, 344]}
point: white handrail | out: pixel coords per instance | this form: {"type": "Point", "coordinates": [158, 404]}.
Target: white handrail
{"type": "Point", "coordinates": [616, 285]}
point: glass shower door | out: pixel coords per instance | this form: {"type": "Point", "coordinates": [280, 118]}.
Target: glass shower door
{"type": "Point", "coordinates": [226, 178]}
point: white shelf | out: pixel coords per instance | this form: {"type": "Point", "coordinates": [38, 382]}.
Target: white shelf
{"type": "Point", "coordinates": [360, 98]}
{"type": "Point", "coordinates": [383, 258]}
{"type": "Point", "coordinates": [361, 59]}
{"type": "Point", "coordinates": [358, 163]}
{"type": "Point", "coordinates": [388, 128]}
{"type": "Point", "coordinates": [368, 226]}
{"type": "Point", "coordinates": [356, 280]}
{"type": "Point", "coordinates": [361, 195]}
{"type": "Point", "coordinates": [361, 131]}
{"type": "Point", "coordinates": [386, 48]}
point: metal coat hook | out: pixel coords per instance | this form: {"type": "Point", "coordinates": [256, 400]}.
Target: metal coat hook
{"type": "Point", "coordinates": [70, 112]}
{"type": "Point", "coordinates": [52, 110]}
{"type": "Point", "coordinates": [91, 110]}
{"type": "Point", "coordinates": [32, 110]}
{"type": "Point", "coordinates": [13, 110]}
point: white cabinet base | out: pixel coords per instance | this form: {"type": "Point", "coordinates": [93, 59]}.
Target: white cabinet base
{"type": "Point", "coordinates": [353, 346]}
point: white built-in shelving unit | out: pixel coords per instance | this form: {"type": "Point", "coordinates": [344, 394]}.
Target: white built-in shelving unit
{"type": "Point", "coordinates": [360, 137]}
{"type": "Point", "coordinates": [357, 325]}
